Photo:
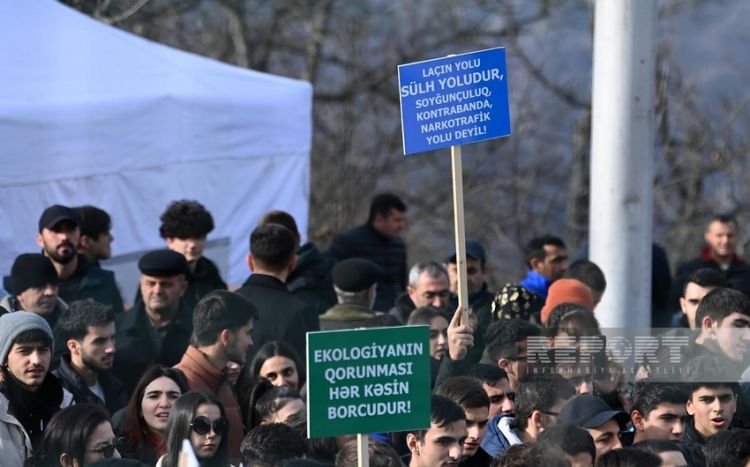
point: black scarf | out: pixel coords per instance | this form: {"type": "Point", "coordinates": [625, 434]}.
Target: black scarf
{"type": "Point", "coordinates": [33, 409]}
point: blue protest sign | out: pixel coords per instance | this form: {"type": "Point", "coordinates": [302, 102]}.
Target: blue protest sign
{"type": "Point", "coordinates": [454, 100]}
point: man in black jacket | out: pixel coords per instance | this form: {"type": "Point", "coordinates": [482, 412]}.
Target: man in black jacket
{"type": "Point", "coordinates": [158, 328]}
{"type": "Point", "coordinates": [378, 240]}
{"type": "Point", "coordinates": [720, 253]}
{"type": "Point", "coordinates": [281, 315]}
{"type": "Point", "coordinates": [59, 235]}
{"type": "Point", "coordinates": [311, 280]}
{"type": "Point", "coordinates": [88, 330]}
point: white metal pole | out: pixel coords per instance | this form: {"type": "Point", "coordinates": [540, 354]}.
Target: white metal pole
{"type": "Point", "coordinates": [622, 153]}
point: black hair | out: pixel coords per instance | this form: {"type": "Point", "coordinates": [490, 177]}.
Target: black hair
{"type": "Point", "coordinates": [383, 203]}
{"type": "Point", "coordinates": [323, 448]}
{"type": "Point", "coordinates": [281, 218]}
{"type": "Point", "coordinates": [178, 429]}
{"type": "Point", "coordinates": [93, 221]}
{"type": "Point", "coordinates": [503, 337]}
{"type": "Point", "coordinates": [266, 445]}
{"type": "Point", "coordinates": [265, 400]}
{"type": "Point", "coordinates": [728, 448]}
{"type": "Point", "coordinates": [425, 315]}
{"type": "Point", "coordinates": [272, 246]}
{"type": "Point", "coordinates": [443, 411]}
{"type": "Point", "coordinates": [540, 392]}
{"type": "Point", "coordinates": [137, 432]}
{"type": "Point", "coordinates": [705, 277]}
{"type": "Point", "coordinates": [657, 446]}
{"type": "Point", "coordinates": [217, 311]}
{"type": "Point", "coordinates": [572, 439]}
{"type": "Point", "coordinates": [465, 391]}
{"type": "Point", "coordinates": [381, 320]}
{"type": "Point", "coordinates": [710, 371]}
{"type": "Point", "coordinates": [588, 273]}
{"type": "Point", "coordinates": [75, 322]}
{"type": "Point", "coordinates": [304, 462]}
{"type": "Point", "coordinates": [486, 373]}
{"type": "Point", "coordinates": [249, 386]}
{"type": "Point", "coordinates": [68, 433]}
{"type": "Point", "coordinates": [572, 319]}
{"type": "Point", "coordinates": [725, 218]}
{"type": "Point", "coordinates": [186, 219]}
{"type": "Point", "coordinates": [628, 457]}
{"type": "Point", "coordinates": [32, 336]}
{"type": "Point", "coordinates": [523, 455]}
{"type": "Point", "coordinates": [381, 455]}
{"type": "Point", "coordinates": [720, 303]}
{"type": "Point", "coordinates": [275, 349]}
{"type": "Point", "coordinates": [535, 248]}
{"type": "Point", "coordinates": [648, 394]}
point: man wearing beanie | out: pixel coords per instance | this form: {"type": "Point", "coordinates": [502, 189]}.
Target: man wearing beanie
{"type": "Point", "coordinates": [34, 288]}
{"type": "Point", "coordinates": [157, 329]}
{"type": "Point", "coordinates": [59, 235]}
{"type": "Point", "coordinates": [355, 281]}
{"type": "Point", "coordinates": [29, 394]}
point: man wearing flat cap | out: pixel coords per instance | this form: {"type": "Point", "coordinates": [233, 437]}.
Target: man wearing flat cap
{"type": "Point", "coordinates": [355, 281]}
{"type": "Point", "coordinates": [157, 329]}
{"type": "Point", "coordinates": [59, 235]}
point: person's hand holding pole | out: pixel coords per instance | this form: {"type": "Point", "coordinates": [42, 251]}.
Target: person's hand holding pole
{"type": "Point", "coordinates": [460, 335]}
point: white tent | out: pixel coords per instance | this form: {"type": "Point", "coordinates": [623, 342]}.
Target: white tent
{"type": "Point", "coordinates": [90, 114]}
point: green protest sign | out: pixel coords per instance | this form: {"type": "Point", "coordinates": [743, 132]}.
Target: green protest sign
{"type": "Point", "coordinates": [368, 380]}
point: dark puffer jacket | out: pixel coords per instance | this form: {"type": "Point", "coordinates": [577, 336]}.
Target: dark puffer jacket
{"type": "Point", "coordinates": [365, 242]}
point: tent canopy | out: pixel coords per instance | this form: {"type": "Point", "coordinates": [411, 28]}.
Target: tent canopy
{"type": "Point", "coordinates": [90, 114]}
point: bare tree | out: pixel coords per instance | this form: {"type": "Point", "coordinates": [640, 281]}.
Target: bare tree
{"type": "Point", "coordinates": [531, 183]}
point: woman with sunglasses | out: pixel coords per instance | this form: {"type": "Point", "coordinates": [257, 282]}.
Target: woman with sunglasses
{"type": "Point", "coordinates": [145, 417]}
{"type": "Point", "coordinates": [77, 436]}
{"type": "Point", "coordinates": [198, 417]}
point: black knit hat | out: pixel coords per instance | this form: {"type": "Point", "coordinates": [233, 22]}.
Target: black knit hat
{"type": "Point", "coordinates": [32, 270]}
{"type": "Point", "coordinates": [356, 274]}
{"type": "Point", "coordinates": [163, 263]}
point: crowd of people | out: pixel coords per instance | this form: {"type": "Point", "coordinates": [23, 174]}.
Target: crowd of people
{"type": "Point", "coordinates": [88, 378]}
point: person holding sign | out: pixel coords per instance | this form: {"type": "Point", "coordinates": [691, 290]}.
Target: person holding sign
{"type": "Point", "coordinates": [442, 443]}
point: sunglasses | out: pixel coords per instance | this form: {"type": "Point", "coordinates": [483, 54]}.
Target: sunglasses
{"type": "Point", "coordinates": [108, 450]}
{"type": "Point", "coordinates": [202, 425]}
